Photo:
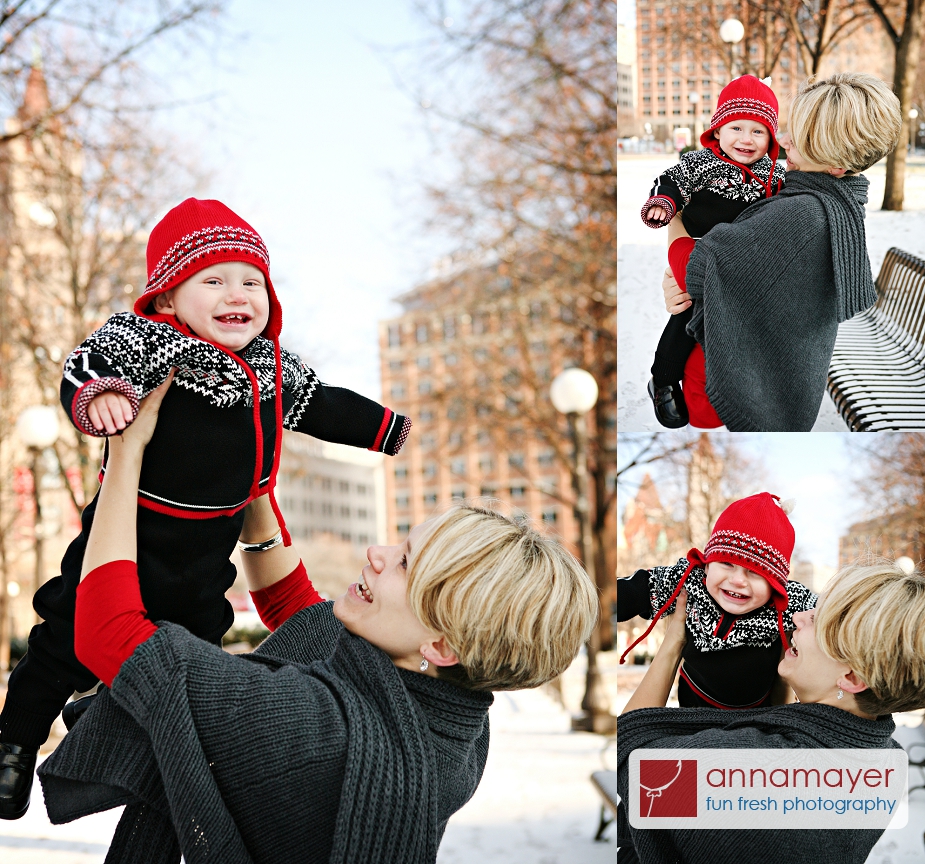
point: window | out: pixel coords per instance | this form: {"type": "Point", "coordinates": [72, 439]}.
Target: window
{"type": "Point", "coordinates": [430, 498]}
{"type": "Point", "coordinates": [326, 483]}
{"type": "Point", "coordinates": [449, 327]}
{"type": "Point", "coordinates": [487, 491]}
{"type": "Point", "coordinates": [361, 488]}
{"type": "Point", "coordinates": [450, 359]}
{"type": "Point", "coordinates": [429, 469]}
{"type": "Point", "coordinates": [550, 516]}
{"type": "Point", "coordinates": [395, 365]}
{"type": "Point", "coordinates": [458, 492]}
{"type": "Point", "coordinates": [403, 528]}
{"type": "Point", "coordinates": [458, 467]}
{"type": "Point", "coordinates": [401, 472]}
{"type": "Point", "coordinates": [428, 442]}
{"type": "Point", "coordinates": [362, 513]}
{"type": "Point", "coordinates": [518, 492]}
{"type": "Point", "coordinates": [345, 512]}
{"type": "Point", "coordinates": [344, 486]}
{"type": "Point", "coordinates": [426, 416]}
{"type": "Point", "coordinates": [424, 362]}
{"type": "Point", "coordinates": [363, 539]}
{"type": "Point", "coordinates": [516, 460]}
{"type": "Point", "coordinates": [480, 355]}
{"type": "Point", "coordinates": [397, 391]}
{"type": "Point", "coordinates": [394, 335]}
{"type": "Point", "coordinates": [401, 502]}
{"type": "Point", "coordinates": [485, 464]}
{"type": "Point", "coordinates": [420, 333]}
{"type": "Point", "coordinates": [546, 457]}
{"type": "Point", "coordinates": [424, 387]}
{"type": "Point", "coordinates": [327, 510]}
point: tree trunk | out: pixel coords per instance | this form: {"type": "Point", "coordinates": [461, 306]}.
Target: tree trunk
{"type": "Point", "coordinates": [907, 62]}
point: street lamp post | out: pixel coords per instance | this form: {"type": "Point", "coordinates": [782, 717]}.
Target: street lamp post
{"type": "Point", "coordinates": [574, 393]}
{"type": "Point", "coordinates": [695, 104]}
{"type": "Point", "coordinates": [732, 31]}
{"type": "Point", "coordinates": [38, 429]}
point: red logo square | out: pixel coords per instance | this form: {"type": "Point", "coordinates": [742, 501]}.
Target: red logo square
{"type": "Point", "coordinates": [667, 787]}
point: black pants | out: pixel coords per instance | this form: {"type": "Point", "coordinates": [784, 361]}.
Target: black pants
{"type": "Point", "coordinates": [674, 347]}
{"type": "Point", "coordinates": [184, 572]}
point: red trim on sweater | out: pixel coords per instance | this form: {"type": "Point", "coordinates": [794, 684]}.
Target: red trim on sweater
{"type": "Point", "coordinates": [278, 602]}
{"type": "Point", "coordinates": [713, 702]}
{"type": "Point", "coordinates": [109, 619]}
{"type": "Point", "coordinates": [383, 428]}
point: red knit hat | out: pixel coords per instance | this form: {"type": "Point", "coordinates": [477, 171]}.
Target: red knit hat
{"type": "Point", "coordinates": [745, 98]}
{"type": "Point", "coordinates": [756, 534]}
{"type": "Point", "coordinates": [197, 234]}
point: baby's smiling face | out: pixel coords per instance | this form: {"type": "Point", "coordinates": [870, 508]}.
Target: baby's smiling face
{"type": "Point", "coordinates": [736, 589]}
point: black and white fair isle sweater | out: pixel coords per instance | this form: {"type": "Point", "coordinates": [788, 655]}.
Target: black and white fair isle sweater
{"type": "Point", "coordinates": [211, 452]}
{"type": "Point", "coordinates": [710, 189]}
{"type": "Point", "coordinates": [729, 661]}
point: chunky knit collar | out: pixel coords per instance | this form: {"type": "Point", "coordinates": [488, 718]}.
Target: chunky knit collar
{"type": "Point", "coordinates": [843, 199]}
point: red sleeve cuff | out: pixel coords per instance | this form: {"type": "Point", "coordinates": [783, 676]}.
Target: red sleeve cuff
{"type": "Point", "coordinates": [109, 619]}
{"type": "Point", "coordinates": [280, 601]}
{"type": "Point", "coordinates": [679, 254]}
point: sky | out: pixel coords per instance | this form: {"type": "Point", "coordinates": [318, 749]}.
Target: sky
{"type": "Point", "coordinates": [307, 136]}
{"type": "Point", "coordinates": [817, 471]}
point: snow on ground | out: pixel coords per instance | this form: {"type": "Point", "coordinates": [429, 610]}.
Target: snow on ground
{"type": "Point", "coordinates": [642, 258]}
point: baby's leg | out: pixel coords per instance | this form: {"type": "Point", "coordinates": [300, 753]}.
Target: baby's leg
{"type": "Point", "coordinates": [38, 689]}
{"type": "Point", "coordinates": [674, 347]}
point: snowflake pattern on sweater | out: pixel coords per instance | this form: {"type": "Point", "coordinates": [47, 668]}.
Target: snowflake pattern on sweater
{"type": "Point", "coordinates": [703, 170]}
{"type": "Point", "coordinates": [757, 629]}
{"type": "Point", "coordinates": [142, 352]}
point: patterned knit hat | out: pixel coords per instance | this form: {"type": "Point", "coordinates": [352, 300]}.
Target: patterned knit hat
{"type": "Point", "coordinates": [746, 98]}
{"type": "Point", "coordinates": [756, 534]}
{"type": "Point", "coordinates": [195, 235]}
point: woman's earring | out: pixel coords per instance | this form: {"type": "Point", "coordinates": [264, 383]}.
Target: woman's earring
{"type": "Point", "coordinates": [840, 693]}
{"type": "Point", "coordinates": [425, 664]}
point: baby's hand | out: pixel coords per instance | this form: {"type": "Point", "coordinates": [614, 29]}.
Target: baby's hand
{"type": "Point", "coordinates": [110, 412]}
{"type": "Point", "coordinates": [657, 214]}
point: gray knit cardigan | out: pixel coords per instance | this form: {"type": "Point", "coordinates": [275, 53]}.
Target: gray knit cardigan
{"type": "Point", "coordinates": [316, 748]}
{"type": "Point", "coordinates": [782, 727]}
{"type": "Point", "coordinates": [770, 290]}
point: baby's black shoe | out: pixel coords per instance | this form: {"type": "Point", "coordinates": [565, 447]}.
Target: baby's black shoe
{"type": "Point", "coordinates": [670, 408]}
{"type": "Point", "coordinates": [73, 711]}
{"type": "Point", "coordinates": [17, 766]}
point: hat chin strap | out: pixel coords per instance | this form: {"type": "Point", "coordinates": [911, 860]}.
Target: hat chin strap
{"type": "Point", "coordinates": [694, 559]}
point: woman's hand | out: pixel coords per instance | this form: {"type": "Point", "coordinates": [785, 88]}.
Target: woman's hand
{"type": "Point", "coordinates": [655, 687]}
{"type": "Point", "coordinates": [137, 435]}
{"type": "Point", "coordinates": [676, 300]}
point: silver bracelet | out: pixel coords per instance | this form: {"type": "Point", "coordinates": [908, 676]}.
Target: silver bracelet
{"type": "Point", "coordinates": [275, 540]}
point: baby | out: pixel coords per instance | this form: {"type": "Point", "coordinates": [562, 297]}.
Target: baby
{"type": "Point", "coordinates": [708, 187]}
{"type": "Point", "coordinates": [209, 311]}
{"type": "Point", "coordinates": [740, 605]}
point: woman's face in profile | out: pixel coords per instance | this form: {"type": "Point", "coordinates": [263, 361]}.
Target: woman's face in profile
{"type": "Point", "coordinates": [811, 673]}
{"type": "Point", "coordinates": [376, 607]}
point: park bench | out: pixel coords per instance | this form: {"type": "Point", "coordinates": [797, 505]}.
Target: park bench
{"type": "Point", "coordinates": [877, 373]}
{"type": "Point", "coordinates": [605, 781]}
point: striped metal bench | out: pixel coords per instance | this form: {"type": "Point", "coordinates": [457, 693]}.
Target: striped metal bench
{"type": "Point", "coordinates": [877, 373]}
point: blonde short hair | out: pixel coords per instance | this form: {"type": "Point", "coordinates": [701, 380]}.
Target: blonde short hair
{"type": "Point", "coordinates": [514, 606]}
{"type": "Point", "coordinates": [849, 120]}
{"type": "Point", "coordinates": [873, 620]}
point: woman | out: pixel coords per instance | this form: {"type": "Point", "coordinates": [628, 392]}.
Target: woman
{"type": "Point", "coordinates": [355, 730]}
{"type": "Point", "coordinates": [772, 287]}
{"type": "Point", "coordinates": [857, 657]}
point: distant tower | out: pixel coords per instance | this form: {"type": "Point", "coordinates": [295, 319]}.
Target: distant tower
{"type": "Point", "coordinates": [705, 499]}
